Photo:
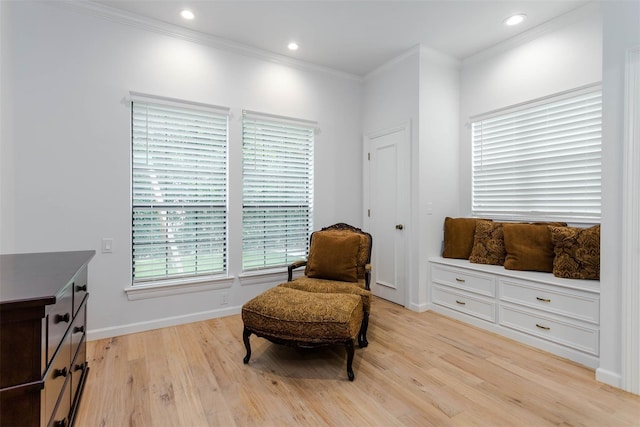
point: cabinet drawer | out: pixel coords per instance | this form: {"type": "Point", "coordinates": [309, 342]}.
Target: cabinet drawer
{"type": "Point", "coordinates": [464, 303]}
{"type": "Point", "coordinates": [80, 284]}
{"type": "Point", "coordinates": [576, 304]}
{"type": "Point", "coordinates": [464, 279]}
{"type": "Point", "coordinates": [59, 317]}
{"type": "Point", "coordinates": [576, 336]}
{"type": "Point", "coordinates": [56, 376]}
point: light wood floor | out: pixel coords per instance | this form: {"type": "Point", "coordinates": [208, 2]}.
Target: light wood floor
{"type": "Point", "coordinates": [420, 369]}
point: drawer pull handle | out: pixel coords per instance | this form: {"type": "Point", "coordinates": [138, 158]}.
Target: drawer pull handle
{"type": "Point", "coordinates": [62, 318]}
{"type": "Point", "coordinates": [81, 288]}
{"type": "Point", "coordinates": [79, 367]}
{"type": "Point", "coordinates": [546, 328]}
{"type": "Point", "coordinates": [60, 372]}
{"type": "Point", "coordinates": [78, 329]}
{"type": "Point", "coordinates": [61, 423]}
{"type": "Point", "coordinates": [460, 280]}
{"type": "Point", "coordinates": [461, 302]}
{"type": "Point", "coordinates": [543, 299]}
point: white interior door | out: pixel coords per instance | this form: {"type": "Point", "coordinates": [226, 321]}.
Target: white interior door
{"type": "Point", "coordinates": [388, 212]}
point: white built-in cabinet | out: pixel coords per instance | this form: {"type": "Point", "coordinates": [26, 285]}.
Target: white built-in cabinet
{"type": "Point", "coordinates": [561, 316]}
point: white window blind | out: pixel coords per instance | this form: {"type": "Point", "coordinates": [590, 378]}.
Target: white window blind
{"type": "Point", "coordinates": [179, 191]}
{"type": "Point", "coordinates": [277, 197]}
{"type": "Point", "coordinates": [541, 160]}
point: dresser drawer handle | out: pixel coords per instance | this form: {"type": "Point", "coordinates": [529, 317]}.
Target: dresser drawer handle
{"type": "Point", "coordinates": [62, 318]}
{"type": "Point", "coordinates": [461, 302]}
{"type": "Point", "coordinates": [546, 328]}
{"type": "Point", "coordinates": [80, 366]}
{"type": "Point", "coordinates": [82, 288]}
{"type": "Point", "coordinates": [78, 329]}
{"type": "Point", "coordinates": [460, 280]}
{"type": "Point", "coordinates": [61, 423]}
{"type": "Point", "coordinates": [543, 299]}
{"type": "Point", "coordinates": [60, 372]}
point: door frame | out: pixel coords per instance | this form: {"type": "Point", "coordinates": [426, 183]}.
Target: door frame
{"type": "Point", "coordinates": [404, 127]}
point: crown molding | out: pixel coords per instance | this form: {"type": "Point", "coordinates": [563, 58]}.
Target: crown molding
{"type": "Point", "coordinates": [391, 63]}
{"type": "Point", "coordinates": [569, 18]}
{"type": "Point", "coordinates": [152, 25]}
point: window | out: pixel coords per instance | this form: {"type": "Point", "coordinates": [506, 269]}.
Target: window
{"type": "Point", "coordinates": [179, 190]}
{"type": "Point", "coordinates": [277, 197]}
{"type": "Point", "coordinates": [541, 160]}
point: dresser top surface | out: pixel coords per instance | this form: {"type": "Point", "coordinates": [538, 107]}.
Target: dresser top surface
{"type": "Point", "coordinates": [38, 276]}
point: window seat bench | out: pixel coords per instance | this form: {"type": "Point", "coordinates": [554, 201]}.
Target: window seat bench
{"type": "Point", "coordinates": [561, 316]}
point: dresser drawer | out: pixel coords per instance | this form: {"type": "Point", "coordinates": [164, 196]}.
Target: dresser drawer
{"type": "Point", "coordinates": [78, 369]}
{"type": "Point", "coordinates": [56, 377]}
{"type": "Point", "coordinates": [78, 329]}
{"type": "Point", "coordinates": [464, 279]}
{"type": "Point", "coordinates": [60, 417]}
{"type": "Point", "coordinates": [572, 303]}
{"type": "Point", "coordinates": [59, 317]}
{"type": "Point", "coordinates": [576, 336]}
{"type": "Point", "coordinates": [464, 303]}
{"type": "Point", "coordinates": [80, 284]}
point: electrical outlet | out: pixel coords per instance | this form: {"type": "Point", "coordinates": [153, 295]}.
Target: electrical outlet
{"type": "Point", "coordinates": [225, 298]}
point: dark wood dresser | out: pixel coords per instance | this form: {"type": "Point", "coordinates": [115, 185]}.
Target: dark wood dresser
{"type": "Point", "coordinates": [43, 313]}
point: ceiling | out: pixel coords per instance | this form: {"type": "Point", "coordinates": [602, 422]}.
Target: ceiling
{"type": "Point", "coordinates": [354, 36]}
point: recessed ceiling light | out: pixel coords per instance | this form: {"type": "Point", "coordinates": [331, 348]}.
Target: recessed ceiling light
{"type": "Point", "coordinates": [293, 46]}
{"type": "Point", "coordinates": [515, 19]}
{"type": "Point", "coordinates": [187, 14]}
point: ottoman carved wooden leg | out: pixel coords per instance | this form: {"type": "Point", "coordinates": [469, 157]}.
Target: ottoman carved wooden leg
{"type": "Point", "coordinates": [298, 318]}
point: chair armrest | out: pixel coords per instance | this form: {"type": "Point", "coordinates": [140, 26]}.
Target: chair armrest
{"type": "Point", "coordinates": [292, 267]}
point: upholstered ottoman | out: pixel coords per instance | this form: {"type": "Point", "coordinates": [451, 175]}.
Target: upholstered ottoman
{"type": "Point", "coordinates": [304, 319]}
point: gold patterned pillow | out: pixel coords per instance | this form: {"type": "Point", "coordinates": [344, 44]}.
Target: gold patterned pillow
{"type": "Point", "coordinates": [488, 244]}
{"type": "Point", "coordinates": [577, 252]}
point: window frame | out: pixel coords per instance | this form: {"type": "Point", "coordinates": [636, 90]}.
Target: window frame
{"type": "Point", "coordinates": [297, 237]}
{"type": "Point", "coordinates": [520, 212]}
{"type": "Point", "coordinates": [195, 280]}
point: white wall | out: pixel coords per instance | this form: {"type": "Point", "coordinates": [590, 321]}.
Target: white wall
{"type": "Point", "coordinates": [563, 55]}
{"type": "Point", "coordinates": [421, 86]}
{"type": "Point", "coordinates": [621, 30]}
{"type": "Point", "coordinates": [65, 156]}
{"type": "Point", "coordinates": [437, 174]}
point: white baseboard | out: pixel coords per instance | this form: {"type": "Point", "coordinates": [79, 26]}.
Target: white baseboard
{"type": "Point", "coordinates": [113, 331]}
{"type": "Point", "coordinates": [418, 307]}
{"type": "Point", "coordinates": [611, 378]}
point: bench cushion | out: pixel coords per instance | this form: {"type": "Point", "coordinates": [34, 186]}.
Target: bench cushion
{"type": "Point", "coordinates": [295, 315]}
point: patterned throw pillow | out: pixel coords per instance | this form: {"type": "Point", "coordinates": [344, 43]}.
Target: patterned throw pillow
{"type": "Point", "coordinates": [577, 252]}
{"type": "Point", "coordinates": [488, 244]}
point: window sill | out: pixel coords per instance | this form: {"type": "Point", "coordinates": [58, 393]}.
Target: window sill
{"type": "Point", "coordinates": [177, 287]}
{"type": "Point", "coordinates": [258, 277]}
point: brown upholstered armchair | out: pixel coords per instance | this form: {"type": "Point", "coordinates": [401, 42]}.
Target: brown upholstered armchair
{"type": "Point", "coordinates": [339, 262]}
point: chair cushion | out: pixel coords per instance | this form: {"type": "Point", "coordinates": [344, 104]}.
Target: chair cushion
{"type": "Point", "coordinates": [577, 252]}
{"type": "Point", "coordinates": [295, 315]}
{"type": "Point", "coordinates": [333, 256]}
{"type": "Point", "coordinates": [331, 286]}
